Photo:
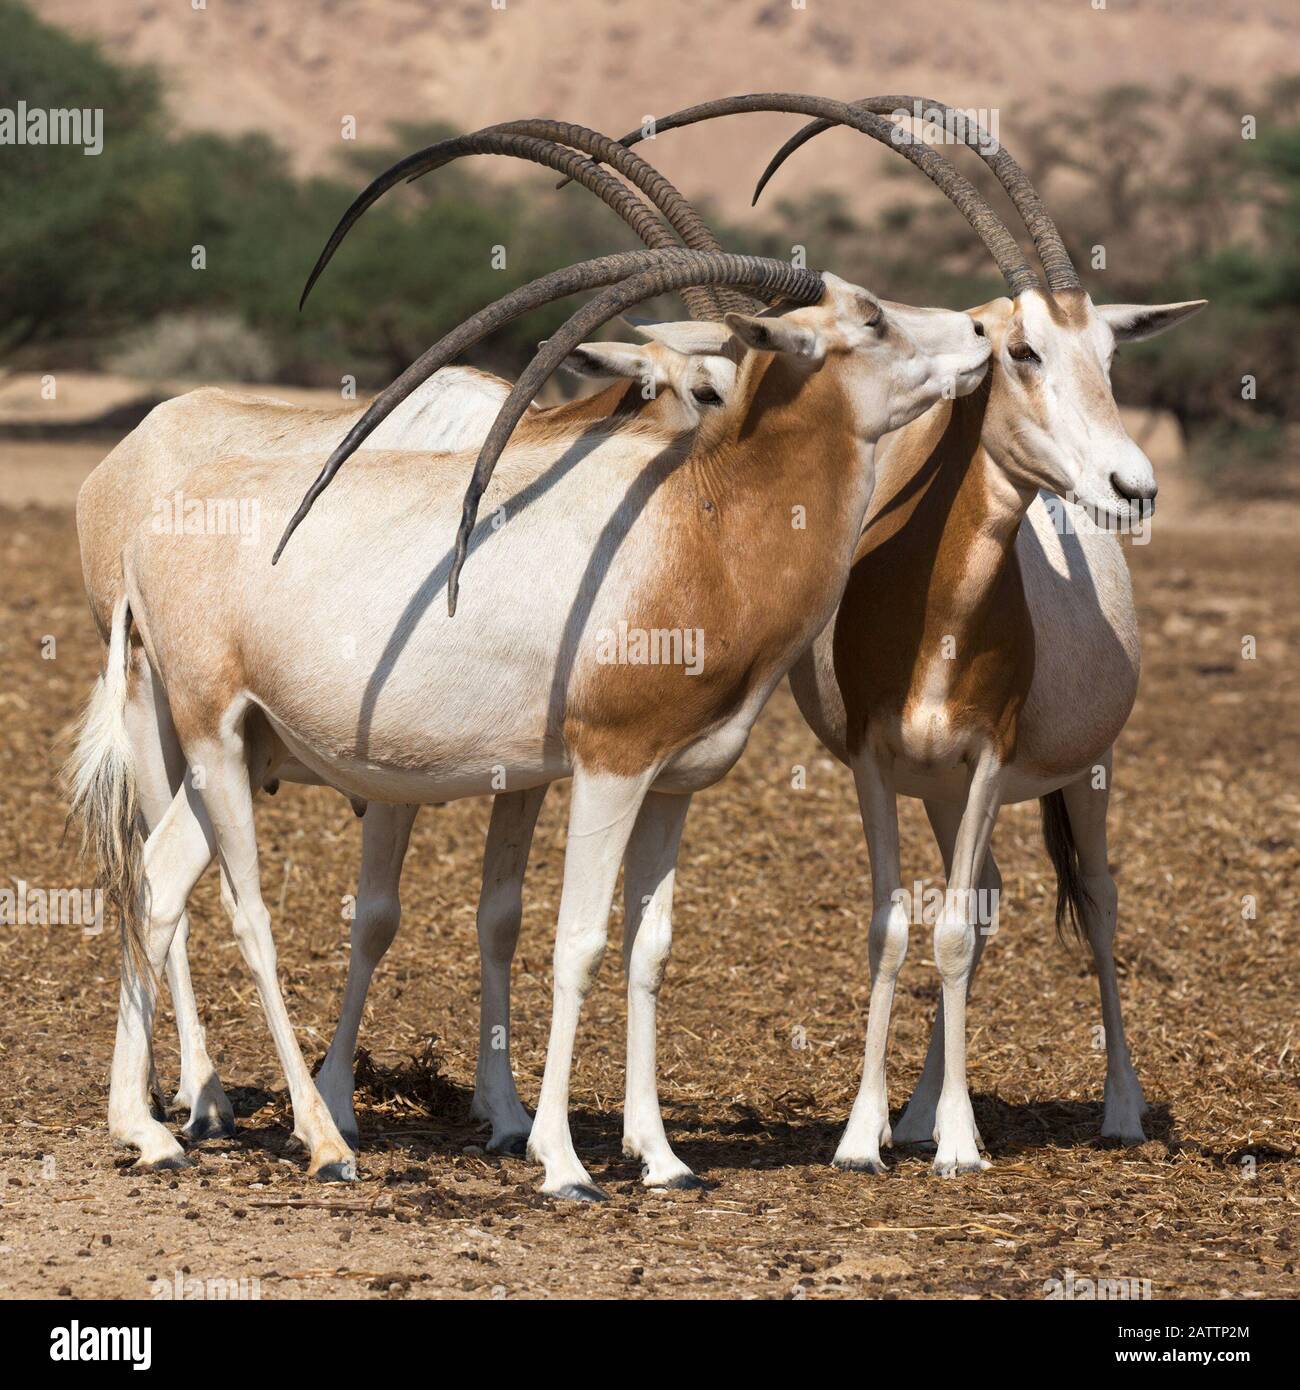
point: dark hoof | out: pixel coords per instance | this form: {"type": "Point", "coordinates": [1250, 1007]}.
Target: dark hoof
{"type": "Point", "coordinates": [209, 1127]}
{"type": "Point", "coordinates": [514, 1144]}
{"type": "Point", "coordinates": [579, 1192]}
{"type": "Point", "coordinates": [172, 1163]}
{"type": "Point", "coordinates": [683, 1182]}
{"type": "Point", "coordinates": [957, 1170]}
{"type": "Point", "coordinates": [859, 1165]}
{"type": "Point", "coordinates": [343, 1171]}
{"type": "Point", "coordinates": [157, 1108]}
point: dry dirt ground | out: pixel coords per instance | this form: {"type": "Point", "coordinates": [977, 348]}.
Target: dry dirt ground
{"type": "Point", "coordinates": [761, 1019]}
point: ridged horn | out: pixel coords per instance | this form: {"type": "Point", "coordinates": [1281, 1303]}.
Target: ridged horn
{"type": "Point", "coordinates": [775, 278]}
{"type": "Point", "coordinates": [573, 279]}
{"type": "Point", "coordinates": [1002, 246]}
{"type": "Point", "coordinates": [1057, 265]}
{"type": "Point", "coordinates": [542, 142]}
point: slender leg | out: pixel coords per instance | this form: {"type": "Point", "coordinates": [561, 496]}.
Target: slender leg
{"type": "Point", "coordinates": [500, 911]}
{"type": "Point", "coordinates": [175, 856]}
{"type": "Point", "coordinates": [385, 834]}
{"type": "Point", "coordinates": [649, 873]}
{"type": "Point", "coordinates": [228, 800]}
{"type": "Point", "coordinates": [868, 1126]}
{"type": "Point", "coordinates": [601, 816]}
{"type": "Point", "coordinates": [916, 1124]}
{"type": "Point", "coordinates": [160, 767]}
{"type": "Point", "coordinates": [1125, 1104]}
{"type": "Point", "coordinates": [955, 935]}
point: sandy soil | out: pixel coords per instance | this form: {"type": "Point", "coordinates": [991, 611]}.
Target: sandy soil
{"type": "Point", "coordinates": [762, 1020]}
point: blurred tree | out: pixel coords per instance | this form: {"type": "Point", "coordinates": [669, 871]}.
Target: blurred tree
{"type": "Point", "coordinates": [91, 248]}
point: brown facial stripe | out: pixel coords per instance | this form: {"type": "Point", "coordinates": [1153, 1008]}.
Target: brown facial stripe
{"type": "Point", "coordinates": [732, 564]}
{"type": "Point", "coordinates": [912, 584]}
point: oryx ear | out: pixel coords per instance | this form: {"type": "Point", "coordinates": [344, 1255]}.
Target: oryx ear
{"type": "Point", "coordinates": [608, 359]}
{"type": "Point", "coordinates": [1131, 323]}
{"type": "Point", "coordinates": [773, 335]}
{"type": "Point", "coordinates": [690, 337]}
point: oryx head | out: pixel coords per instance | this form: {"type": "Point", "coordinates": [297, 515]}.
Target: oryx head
{"type": "Point", "coordinates": [895, 361]}
{"type": "Point", "coordinates": [685, 371]}
{"type": "Point", "coordinates": [1052, 421]}
{"type": "Point", "coordinates": [1052, 361]}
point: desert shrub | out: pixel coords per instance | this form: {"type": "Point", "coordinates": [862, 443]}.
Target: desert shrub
{"type": "Point", "coordinates": [203, 347]}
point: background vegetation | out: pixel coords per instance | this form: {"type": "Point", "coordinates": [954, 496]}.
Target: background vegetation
{"type": "Point", "coordinates": [95, 253]}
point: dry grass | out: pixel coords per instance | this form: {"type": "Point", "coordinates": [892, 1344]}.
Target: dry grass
{"type": "Point", "coordinates": [770, 952]}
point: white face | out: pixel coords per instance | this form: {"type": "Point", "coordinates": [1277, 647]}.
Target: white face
{"type": "Point", "coordinates": [687, 386]}
{"type": "Point", "coordinates": [897, 360]}
{"type": "Point", "coordinates": [1052, 421]}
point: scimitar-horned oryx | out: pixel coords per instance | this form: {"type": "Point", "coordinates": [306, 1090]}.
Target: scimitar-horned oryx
{"type": "Point", "coordinates": [986, 650]}
{"type": "Point", "coordinates": [450, 410]}
{"type": "Point", "coordinates": [657, 531]}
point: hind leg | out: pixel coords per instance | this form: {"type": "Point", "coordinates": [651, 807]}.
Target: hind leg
{"type": "Point", "coordinates": [1086, 807]}
{"type": "Point", "coordinates": [175, 856]}
{"type": "Point", "coordinates": [228, 799]}
{"type": "Point", "coordinates": [385, 834]}
{"type": "Point", "coordinates": [500, 910]}
{"type": "Point", "coordinates": [160, 768]}
{"type": "Point", "coordinates": [916, 1123]}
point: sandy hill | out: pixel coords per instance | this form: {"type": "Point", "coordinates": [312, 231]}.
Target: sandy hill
{"type": "Point", "coordinates": [295, 68]}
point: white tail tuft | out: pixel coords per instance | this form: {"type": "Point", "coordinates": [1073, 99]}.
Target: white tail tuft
{"type": "Point", "coordinates": [102, 786]}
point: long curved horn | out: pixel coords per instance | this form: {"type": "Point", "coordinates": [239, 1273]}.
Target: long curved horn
{"type": "Point", "coordinates": [1059, 268]}
{"type": "Point", "coordinates": [775, 278]}
{"type": "Point", "coordinates": [536, 140]}
{"type": "Point", "coordinates": [585, 275]}
{"type": "Point", "coordinates": [610, 190]}
{"type": "Point", "coordinates": [1002, 246]}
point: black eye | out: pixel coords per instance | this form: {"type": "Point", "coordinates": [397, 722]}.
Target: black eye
{"type": "Point", "coordinates": [1022, 352]}
{"type": "Point", "coordinates": [706, 395]}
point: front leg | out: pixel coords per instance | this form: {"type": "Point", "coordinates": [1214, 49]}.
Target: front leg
{"type": "Point", "coordinates": [602, 813]}
{"type": "Point", "coordinates": [649, 873]}
{"type": "Point", "coordinates": [916, 1123]}
{"type": "Point", "coordinates": [868, 1126]}
{"type": "Point", "coordinates": [955, 936]}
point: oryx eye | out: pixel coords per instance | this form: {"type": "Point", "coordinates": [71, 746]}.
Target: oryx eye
{"type": "Point", "coordinates": [1022, 352]}
{"type": "Point", "coordinates": [706, 395]}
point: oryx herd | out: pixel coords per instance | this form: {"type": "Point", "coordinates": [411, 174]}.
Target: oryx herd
{"type": "Point", "coordinates": [945, 634]}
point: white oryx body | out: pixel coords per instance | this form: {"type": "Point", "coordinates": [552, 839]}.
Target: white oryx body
{"type": "Point", "coordinates": [452, 410]}
{"type": "Point", "coordinates": [343, 661]}
{"type": "Point", "coordinates": [986, 651]}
